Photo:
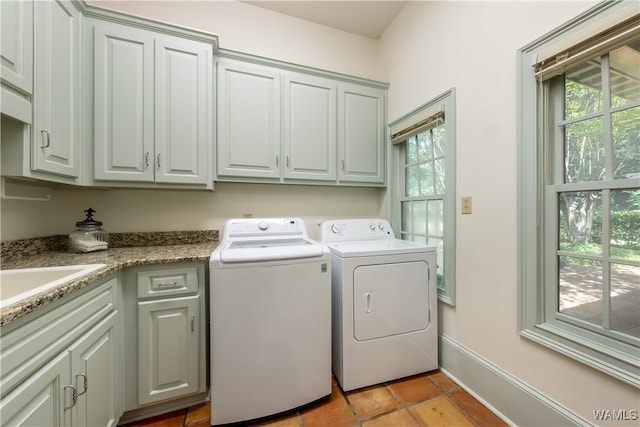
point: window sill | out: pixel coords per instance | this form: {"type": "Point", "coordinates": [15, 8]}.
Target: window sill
{"type": "Point", "coordinates": [620, 361]}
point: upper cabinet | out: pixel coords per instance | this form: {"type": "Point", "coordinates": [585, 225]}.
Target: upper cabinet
{"type": "Point", "coordinates": [361, 112]}
{"type": "Point", "coordinates": [50, 148]}
{"type": "Point", "coordinates": [152, 107]}
{"type": "Point", "coordinates": [123, 102]}
{"type": "Point", "coordinates": [309, 126]}
{"type": "Point", "coordinates": [283, 123]}
{"type": "Point", "coordinates": [114, 100]}
{"type": "Point", "coordinates": [56, 112]}
{"type": "Point", "coordinates": [248, 110]}
{"type": "Point", "coordinates": [16, 59]}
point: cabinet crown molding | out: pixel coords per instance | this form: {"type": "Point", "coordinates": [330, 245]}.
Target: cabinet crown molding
{"type": "Point", "coordinates": [147, 23]}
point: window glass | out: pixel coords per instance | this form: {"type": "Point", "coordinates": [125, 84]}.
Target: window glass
{"type": "Point", "coordinates": [625, 299]}
{"type": "Point", "coordinates": [626, 134]}
{"type": "Point", "coordinates": [411, 150]}
{"type": "Point", "coordinates": [424, 146]}
{"type": "Point", "coordinates": [438, 141]}
{"type": "Point", "coordinates": [581, 289]}
{"type": "Point", "coordinates": [584, 151]}
{"type": "Point", "coordinates": [419, 217]}
{"type": "Point", "coordinates": [625, 225]}
{"type": "Point", "coordinates": [583, 90]}
{"type": "Point", "coordinates": [625, 75]}
{"type": "Point", "coordinates": [580, 216]}
{"type": "Point", "coordinates": [435, 217]}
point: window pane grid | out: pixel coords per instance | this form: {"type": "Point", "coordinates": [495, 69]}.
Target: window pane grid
{"type": "Point", "coordinates": [422, 202]}
{"type": "Point", "coordinates": [598, 250]}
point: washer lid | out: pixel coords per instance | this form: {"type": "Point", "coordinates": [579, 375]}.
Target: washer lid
{"type": "Point", "coordinates": [377, 247]}
{"type": "Point", "coordinates": [269, 249]}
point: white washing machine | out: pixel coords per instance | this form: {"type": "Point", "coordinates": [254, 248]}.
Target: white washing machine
{"type": "Point", "coordinates": [270, 304]}
{"type": "Point", "coordinates": [384, 303]}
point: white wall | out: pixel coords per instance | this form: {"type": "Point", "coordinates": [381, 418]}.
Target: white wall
{"type": "Point", "coordinates": [429, 48]}
{"type": "Point", "coordinates": [259, 31]}
{"type": "Point", "coordinates": [163, 210]}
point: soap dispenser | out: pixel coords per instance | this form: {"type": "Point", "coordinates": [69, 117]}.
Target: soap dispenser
{"type": "Point", "coordinates": [88, 235]}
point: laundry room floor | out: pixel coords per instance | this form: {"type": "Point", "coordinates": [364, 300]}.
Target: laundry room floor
{"type": "Point", "coordinates": [421, 400]}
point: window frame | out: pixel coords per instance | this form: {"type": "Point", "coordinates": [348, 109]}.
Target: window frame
{"type": "Point", "coordinates": [446, 102]}
{"type": "Point", "coordinates": [618, 358]}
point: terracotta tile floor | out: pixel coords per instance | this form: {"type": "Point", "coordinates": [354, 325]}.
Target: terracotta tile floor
{"type": "Point", "coordinates": [430, 399]}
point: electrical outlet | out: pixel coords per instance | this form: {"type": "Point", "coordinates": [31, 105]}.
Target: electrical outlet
{"type": "Point", "coordinates": [247, 215]}
{"type": "Point", "coordinates": [466, 205]}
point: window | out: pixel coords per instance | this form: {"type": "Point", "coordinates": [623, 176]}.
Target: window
{"type": "Point", "coordinates": [579, 192]}
{"type": "Point", "coordinates": [424, 169]}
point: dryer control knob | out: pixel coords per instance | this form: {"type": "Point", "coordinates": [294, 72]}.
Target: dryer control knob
{"type": "Point", "coordinates": [335, 228]}
{"type": "Point", "coordinates": [372, 227]}
{"type": "Point", "coordinates": [263, 225]}
{"type": "Point", "coordinates": [381, 226]}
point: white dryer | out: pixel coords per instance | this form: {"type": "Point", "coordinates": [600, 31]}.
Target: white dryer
{"type": "Point", "coordinates": [384, 303]}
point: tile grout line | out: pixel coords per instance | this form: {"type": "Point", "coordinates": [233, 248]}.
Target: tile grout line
{"type": "Point", "coordinates": [404, 405]}
{"type": "Point", "coordinates": [465, 411]}
{"type": "Point", "coordinates": [401, 403]}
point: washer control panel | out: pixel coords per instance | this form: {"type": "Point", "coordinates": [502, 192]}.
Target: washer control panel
{"type": "Point", "coordinates": [355, 229]}
{"type": "Point", "coordinates": [250, 227]}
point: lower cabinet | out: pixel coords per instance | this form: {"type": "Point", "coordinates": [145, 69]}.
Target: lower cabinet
{"type": "Point", "coordinates": [43, 399]}
{"type": "Point", "coordinates": [95, 376]}
{"type": "Point", "coordinates": [168, 348]}
{"type": "Point", "coordinates": [115, 352]}
{"type": "Point", "coordinates": [80, 381]}
{"type": "Point", "coordinates": [165, 340]}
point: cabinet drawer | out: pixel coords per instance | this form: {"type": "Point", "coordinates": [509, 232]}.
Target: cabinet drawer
{"type": "Point", "coordinates": [167, 282]}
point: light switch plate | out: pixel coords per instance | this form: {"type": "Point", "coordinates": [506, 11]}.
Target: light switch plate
{"type": "Point", "coordinates": [466, 205]}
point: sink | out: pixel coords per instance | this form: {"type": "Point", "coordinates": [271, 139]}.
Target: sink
{"type": "Point", "coordinates": [18, 284]}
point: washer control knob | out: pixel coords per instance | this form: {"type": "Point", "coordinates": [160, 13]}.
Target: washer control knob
{"type": "Point", "coordinates": [381, 226]}
{"type": "Point", "coordinates": [336, 228]}
{"type": "Point", "coordinates": [372, 227]}
{"type": "Point", "coordinates": [263, 225]}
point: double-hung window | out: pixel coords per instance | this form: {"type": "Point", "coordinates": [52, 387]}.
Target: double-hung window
{"type": "Point", "coordinates": [424, 152]}
{"type": "Point", "coordinates": [580, 194]}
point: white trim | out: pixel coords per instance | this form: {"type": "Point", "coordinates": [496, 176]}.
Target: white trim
{"type": "Point", "coordinates": [508, 397]}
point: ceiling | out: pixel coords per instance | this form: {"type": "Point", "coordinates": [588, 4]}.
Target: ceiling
{"type": "Point", "coordinates": [364, 17]}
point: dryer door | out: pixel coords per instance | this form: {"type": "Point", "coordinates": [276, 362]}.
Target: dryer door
{"type": "Point", "coordinates": [390, 299]}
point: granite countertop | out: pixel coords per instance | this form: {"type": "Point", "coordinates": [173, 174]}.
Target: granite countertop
{"type": "Point", "coordinates": [148, 251]}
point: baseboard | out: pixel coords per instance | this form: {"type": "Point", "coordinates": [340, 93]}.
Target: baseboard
{"type": "Point", "coordinates": [516, 402]}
